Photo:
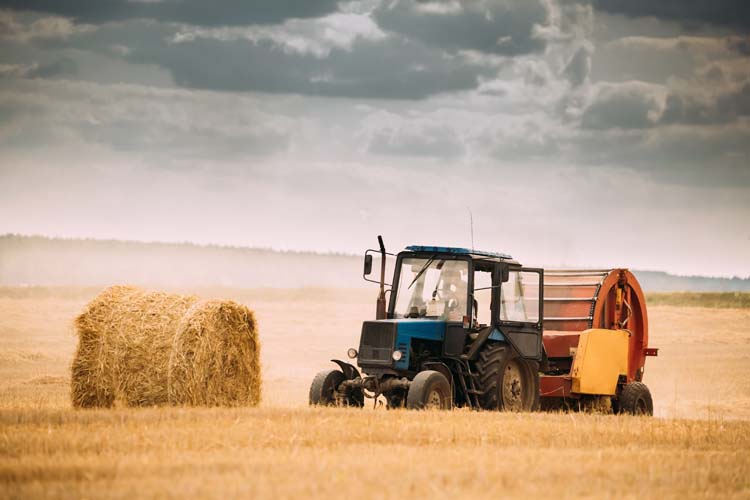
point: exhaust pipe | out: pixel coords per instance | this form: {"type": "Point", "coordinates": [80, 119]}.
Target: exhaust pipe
{"type": "Point", "coordinates": [380, 309]}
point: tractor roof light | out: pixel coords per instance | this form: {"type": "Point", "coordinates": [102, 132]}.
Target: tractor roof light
{"type": "Point", "coordinates": [352, 353]}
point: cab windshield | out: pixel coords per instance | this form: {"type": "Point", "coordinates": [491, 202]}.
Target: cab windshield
{"type": "Point", "coordinates": [432, 288]}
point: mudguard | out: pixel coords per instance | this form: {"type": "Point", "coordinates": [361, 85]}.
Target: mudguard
{"type": "Point", "coordinates": [350, 371]}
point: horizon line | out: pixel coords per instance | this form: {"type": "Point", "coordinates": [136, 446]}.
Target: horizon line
{"type": "Point", "coordinates": [332, 253]}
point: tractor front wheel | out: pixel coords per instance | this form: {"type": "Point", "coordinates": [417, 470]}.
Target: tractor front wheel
{"type": "Point", "coordinates": [326, 390]}
{"type": "Point", "coordinates": [429, 390]}
{"type": "Point", "coordinates": [324, 386]}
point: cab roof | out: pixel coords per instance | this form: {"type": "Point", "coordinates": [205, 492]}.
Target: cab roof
{"type": "Point", "coordinates": [459, 251]}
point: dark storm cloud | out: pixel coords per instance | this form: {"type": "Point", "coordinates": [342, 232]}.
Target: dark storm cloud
{"type": "Point", "coordinates": [578, 68]}
{"type": "Point", "coordinates": [392, 68]}
{"type": "Point", "coordinates": [64, 66]}
{"type": "Point", "coordinates": [685, 155]}
{"type": "Point", "coordinates": [730, 13]}
{"type": "Point", "coordinates": [695, 109]}
{"type": "Point", "coordinates": [741, 45]}
{"type": "Point", "coordinates": [735, 103]}
{"type": "Point", "coordinates": [196, 12]}
{"type": "Point", "coordinates": [505, 28]}
{"type": "Point", "coordinates": [631, 105]}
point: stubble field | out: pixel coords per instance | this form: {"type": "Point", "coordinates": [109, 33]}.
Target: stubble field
{"type": "Point", "coordinates": [696, 446]}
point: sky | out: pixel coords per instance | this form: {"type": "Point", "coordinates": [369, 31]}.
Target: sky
{"type": "Point", "coordinates": [571, 132]}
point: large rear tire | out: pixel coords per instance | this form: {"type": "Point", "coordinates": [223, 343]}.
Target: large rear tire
{"type": "Point", "coordinates": [635, 399]}
{"type": "Point", "coordinates": [429, 390]}
{"type": "Point", "coordinates": [508, 382]}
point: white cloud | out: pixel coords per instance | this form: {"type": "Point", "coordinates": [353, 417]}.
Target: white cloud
{"type": "Point", "coordinates": [301, 36]}
{"type": "Point", "coordinates": [45, 28]}
{"type": "Point", "coordinates": [17, 70]}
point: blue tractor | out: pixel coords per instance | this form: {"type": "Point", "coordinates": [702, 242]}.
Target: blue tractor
{"type": "Point", "coordinates": [460, 327]}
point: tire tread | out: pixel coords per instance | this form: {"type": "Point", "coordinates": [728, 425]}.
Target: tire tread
{"type": "Point", "coordinates": [629, 396]}
{"type": "Point", "coordinates": [492, 360]}
{"type": "Point", "coordinates": [415, 394]}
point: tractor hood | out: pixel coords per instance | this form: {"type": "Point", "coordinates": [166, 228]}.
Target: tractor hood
{"type": "Point", "coordinates": [381, 338]}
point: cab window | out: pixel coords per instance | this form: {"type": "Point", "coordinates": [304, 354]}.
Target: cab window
{"type": "Point", "coordinates": [519, 297]}
{"type": "Point", "coordinates": [432, 288]}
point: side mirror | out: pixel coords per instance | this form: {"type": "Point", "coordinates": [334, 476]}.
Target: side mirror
{"type": "Point", "coordinates": [500, 274]}
{"type": "Point", "coordinates": [368, 264]}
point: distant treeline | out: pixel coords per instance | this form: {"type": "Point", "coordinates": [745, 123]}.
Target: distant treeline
{"type": "Point", "coordinates": [35, 260]}
{"type": "Point", "coordinates": [41, 261]}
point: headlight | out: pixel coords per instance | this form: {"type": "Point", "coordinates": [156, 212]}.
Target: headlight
{"type": "Point", "coordinates": [397, 355]}
{"type": "Point", "coordinates": [352, 353]}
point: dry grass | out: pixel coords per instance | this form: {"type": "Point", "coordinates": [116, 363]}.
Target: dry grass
{"type": "Point", "coordinates": [696, 448]}
{"type": "Point", "coordinates": [330, 453]}
{"type": "Point", "coordinates": [722, 300]}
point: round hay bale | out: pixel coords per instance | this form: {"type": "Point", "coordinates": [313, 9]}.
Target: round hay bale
{"type": "Point", "coordinates": [125, 338]}
{"type": "Point", "coordinates": [215, 357]}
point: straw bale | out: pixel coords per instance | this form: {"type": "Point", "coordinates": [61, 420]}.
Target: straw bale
{"type": "Point", "coordinates": [215, 357]}
{"type": "Point", "coordinates": [126, 336]}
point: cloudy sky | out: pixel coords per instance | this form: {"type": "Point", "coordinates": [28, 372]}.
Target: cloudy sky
{"type": "Point", "coordinates": [596, 132]}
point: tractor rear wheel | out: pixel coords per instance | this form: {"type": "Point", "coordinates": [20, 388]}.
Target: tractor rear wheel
{"type": "Point", "coordinates": [429, 390]}
{"type": "Point", "coordinates": [508, 382]}
{"type": "Point", "coordinates": [635, 399]}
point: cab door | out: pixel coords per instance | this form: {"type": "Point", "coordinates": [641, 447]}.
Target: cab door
{"type": "Point", "coordinates": [521, 313]}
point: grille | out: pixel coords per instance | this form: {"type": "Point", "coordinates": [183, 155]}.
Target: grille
{"type": "Point", "coordinates": [376, 343]}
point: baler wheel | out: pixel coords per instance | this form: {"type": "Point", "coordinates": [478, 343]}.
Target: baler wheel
{"type": "Point", "coordinates": [429, 390]}
{"type": "Point", "coordinates": [635, 399]}
{"type": "Point", "coordinates": [509, 382]}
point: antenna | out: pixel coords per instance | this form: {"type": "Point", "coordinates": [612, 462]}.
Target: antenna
{"type": "Point", "coordinates": [471, 224]}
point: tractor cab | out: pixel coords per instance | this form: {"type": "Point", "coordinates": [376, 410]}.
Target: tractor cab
{"type": "Point", "coordinates": [444, 300]}
{"type": "Point", "coordinates": [461, 285]}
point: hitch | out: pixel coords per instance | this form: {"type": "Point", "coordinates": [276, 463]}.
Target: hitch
{"type": "Point", "coordinates": [373, 388]}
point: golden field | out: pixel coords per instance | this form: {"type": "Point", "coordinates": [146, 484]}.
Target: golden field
{"type": "Point", "coordinates": [696, 446]}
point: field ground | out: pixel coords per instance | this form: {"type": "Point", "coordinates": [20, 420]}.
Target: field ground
{"type": "Point", "coordinates": [697, 447]}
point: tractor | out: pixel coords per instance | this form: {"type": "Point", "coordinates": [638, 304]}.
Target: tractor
{"type": "Point", "coordinates": [468, 328]}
